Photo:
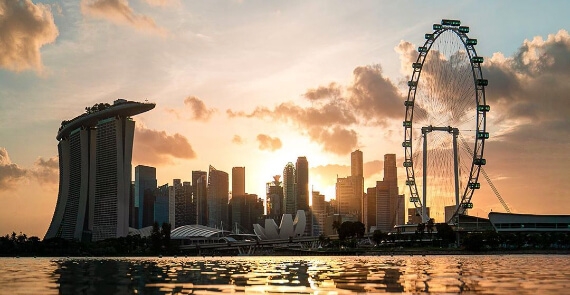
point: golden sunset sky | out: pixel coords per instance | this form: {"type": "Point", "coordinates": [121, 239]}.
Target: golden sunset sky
{"type": "Point", "coordinates": [259, 83]}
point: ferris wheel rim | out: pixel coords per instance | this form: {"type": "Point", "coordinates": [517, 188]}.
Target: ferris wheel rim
{"type": "Point", "coordinates": [482, 108]}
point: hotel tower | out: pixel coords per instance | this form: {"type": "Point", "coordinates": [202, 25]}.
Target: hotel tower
{"type": "Point", "coordinates": [95, 151]}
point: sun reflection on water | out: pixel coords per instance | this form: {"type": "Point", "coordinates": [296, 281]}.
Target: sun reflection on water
{"type": "Point", "coordinates": [291, 275]}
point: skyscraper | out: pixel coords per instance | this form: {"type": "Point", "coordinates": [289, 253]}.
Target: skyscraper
{"type": "Point", "coordinates": [145, 185]}
{"type": "Point", "coordinates": [289, 197]}
{"type": "Point", "coordinates": [181, 204]}
{"type": "Point", "coordinates": [200, 199]}
{"type": "Point", "coordinates": [275, 205]}
{"type": "Point", "coordinates": [346, 200]}
{"type": "Point", "coordinates": [218, 199]}
{"type": "Point", "coordinates": [161, 204]}
{"type": "Point", "coordinates": [357, 174]}
{"type": "Point", "coordinates": [201, 189]}
{"type": "Point", "coordinates": [238, 181]}
{"type": "Point", "coordinates": [95, 151]}
{"type": "Point", "coordinates": [388, 209]}
{"type": "Point", "coordinates": [319, 213]}
{"type": "Point", "coordinates": [302, 184]}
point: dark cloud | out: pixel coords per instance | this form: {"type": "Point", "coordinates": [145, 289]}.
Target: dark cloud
{"type": "Point", "coordinates": [238, 140]}
{"type": "Point", "coordinates": [10, 173]}
{"type": "Point", "coordinates": [268, 143]}
{"type": "Point", "coordinates": [46, 171]}
{"type": "Point", "coordinates": [374, 97]}
{"type": "Point", "coordinates": [119, 12]}
{"type": "Point", "coordinates": [333, 110]}
{"type": "Point", "coordinates": [198, 109]}
{"type": "Point", "coordinates": [25, 27]}
{"type": "Point", "coordinates": [324, 92]}
{"type": "Point", "coordinates": [337, 140]}
{"type": "Point", "coordinates": [154, 147]}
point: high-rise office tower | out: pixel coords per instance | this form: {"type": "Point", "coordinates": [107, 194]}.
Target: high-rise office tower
{"type": "Point", "coordinates": [161, 200]}
{"type": "Point", "coordinates": [302, 184]}
{"type": "Point", "coordinates": [246, 210]}
{"type": "Point", "coordinates": [145, 185]}
{"type": "Point", "coordinates": [346, 200]}
{"type": "Point", "coordinates": [95, 151]}
{"type": "Point", "coordinates": [389, 206]}
{"type": "Point", "coordinates": [357, 174]}
{"type": "Point", "coordinates": [274, 192]}
{"type": "Point", "coordinates": [200, 201]}
{"type": "Point", "coordinates": [201, 192]}
{"type": "Point", "coordinates": [289, 198]}
{"type": "Point", "coordinates": [238, 181]}
{"type": "Point", "coordinates": [218, 199]}
{"type": "Point", "coordinates": [319, 213]}
{"type": "Point", "coordinates": [133, 211]}
{"type": "Point", "coordinates": [180, 204]}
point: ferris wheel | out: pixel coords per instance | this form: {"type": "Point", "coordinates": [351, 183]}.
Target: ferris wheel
{"type": "Point", "coordinates": [445, 122]}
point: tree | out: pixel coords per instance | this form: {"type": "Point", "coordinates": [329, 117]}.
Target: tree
{"type": "Point", "coordinates": [156, 237]}
{"type": "Point", "coordinates": [336, 226]}
{"type": "Point", "coordinates": [421, 229]}
{"type": "Point", "coordinates": [378, 236]}
{"type": "Point", "coordinates": [165, 235]}
{"type": "Point", "coordinates": [358, 229]}
{"type": "Point", "coordinates": [430, 225]}
{"type": "Point", "coordinates": [345, 230]}
{"type": "Point", "coordinates": [445, 233]}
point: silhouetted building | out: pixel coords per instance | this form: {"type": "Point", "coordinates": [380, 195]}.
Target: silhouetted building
{"type": "Point", "coordinates": [414, 217]}
{"type": "Point", "coordinates": [348, 203]}
{"type": "Point", "coordinates": [200, 196]}
{"type": "Point", "coordinates": [238, 181]}
{"type": "Point", "coordinates": [181, 204]}
{"type": "Point", "coordinates": [133, 211]}
{"type": "Point", "coordinates": [319, 213]}
{"type": "Point", "coordinates": [389, 206]}
{"type": "Point", "coordinates": [302, 184]}
{"type": "Point", "coordinates": [145, 184]}
{"type": "Point", "coordinates": [95, 151]}
{"type": "Point", "coordinates": [246, 211]}
{"type": "Point", "coordinates": [274, 192]}
{"type": "Point", "coordinates": [289, 197]}
{"type": "Point", "coordinates": [161, 204]}
{"type": "Point", "coordinates": [357, 174]}
{"type": "Point", "coordinates": [218, 199]}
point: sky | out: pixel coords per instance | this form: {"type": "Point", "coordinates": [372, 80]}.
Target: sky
{"type": "Point", "coordinates": [260, 83]}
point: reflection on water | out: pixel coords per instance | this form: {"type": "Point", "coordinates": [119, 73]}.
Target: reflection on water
{"type": "Point", "coordinates": [521, 274]}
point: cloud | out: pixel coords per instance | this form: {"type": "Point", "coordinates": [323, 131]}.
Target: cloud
{"type": "Point", "coordinates": [334, 110]}
{"type": "Point", "coordinates": [162, 2]}
{"type": "Point", "coordinates": [46, 171]}
{"type": "Point", "coordinates": [268, 143]}
{"type": "Point", "coordinates": [154, 147]}
{"type": "Point", "coordinates": [120, 13]}
{"type": "Point", "coordinates": [337, 140]}
{"type": "Point", "coordinates": [408, 55]}
{"type": "Point", "coordinates": [323, 92]}
{"type": "Point", "coordinates": [25, 27]}
{"type": "Point", "coordinates": [198, 109]}
{"type": "Point", "coordinates": [238, 140]}
{"type": "Point", "coordinates": [10, 173]}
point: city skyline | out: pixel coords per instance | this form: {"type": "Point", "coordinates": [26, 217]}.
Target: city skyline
{"type": "Point", "coordinates": [256, 85]}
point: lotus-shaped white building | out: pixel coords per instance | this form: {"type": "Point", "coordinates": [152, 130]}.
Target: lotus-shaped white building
{"type": "Point", "coordinates": [287, 229]}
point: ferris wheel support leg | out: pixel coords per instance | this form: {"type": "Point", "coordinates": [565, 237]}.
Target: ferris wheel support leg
{"type": "Point", "coordinates": [424, 201]}
{"type": "Point", "coordinates": [456, 167]}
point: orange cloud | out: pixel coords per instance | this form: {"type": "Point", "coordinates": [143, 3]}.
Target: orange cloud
{"type": "Point", "coordinates": [268, 143]}
{"type": "Point", "coordinates": [329, 173]}
{"type": "Point", "coordinates": [154, 147]}
{"type": "Point", "coordinates": [161, 2]}
{"type": "Point", "coordinates": [198, 110]}
{"type": "Point", "coordinates": [25, 27]}
{"type": "Point", "coordinates": [10, 173]}
{"type": "Point", "coordinates": [120, 13]}
{"type": "Point", "coordinates": [369, 99]}
{"type": "Point", "coordinates": [238, 140]}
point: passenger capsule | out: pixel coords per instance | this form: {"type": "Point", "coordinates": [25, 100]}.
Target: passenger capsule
{"type": "Point", "coordinates": [477, 59]}
{"type": "Point", "coordinates": [483, 108]}
{"type": "Point", "coordinates": [422, 49]}
{"type": "Point", "coordinates": [463, 29]}
{"type": "Point", "coordinates": [407, 144]}
{"type": "Point", "coordinates": [407, 124]}
{"type": "Point", "coordinates": [482, 82]}
{"type": "Point", "coordinates": [451, 22]}
{"type": "Point", "coordinates": [429, 36]}
{"type": "Point", "coordinates": [482, 135]}
{"type": "Point", "coordinates": [437, 27]}
{"type": "Point", "coordinates": [409, 103]}
{"type": "Point", "coordinates": [417, 65]}
{"type": "Point", "coordinates": [479, 162]}
{"type": "Point", "coordinates": [474, 185]}
{"type": "Point", "coordinates": [471, 41]}
{"type": "Point", "coordinates": [412, 83]}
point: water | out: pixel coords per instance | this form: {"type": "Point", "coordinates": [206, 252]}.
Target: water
{"type": "Point", "coordinates": [491, 274]}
